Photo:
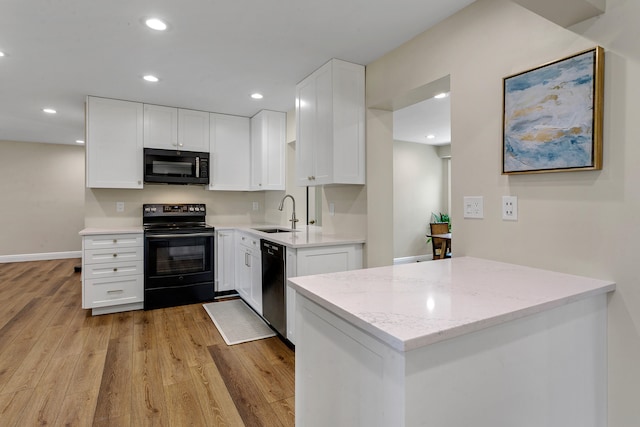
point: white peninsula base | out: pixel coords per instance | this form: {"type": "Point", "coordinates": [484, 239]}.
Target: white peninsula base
{"type": "Point", "coordinates": [547, 368]}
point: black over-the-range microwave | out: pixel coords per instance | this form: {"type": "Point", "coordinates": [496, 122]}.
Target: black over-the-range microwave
{"type": "Point", "coordinates": [175, 167]}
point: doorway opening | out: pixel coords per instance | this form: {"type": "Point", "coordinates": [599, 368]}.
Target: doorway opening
{"type": "Point", "coordinates": [421, 167]}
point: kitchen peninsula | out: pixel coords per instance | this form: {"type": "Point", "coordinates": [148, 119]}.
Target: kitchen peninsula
{"type": "Point", "coordinates": [456, 342]}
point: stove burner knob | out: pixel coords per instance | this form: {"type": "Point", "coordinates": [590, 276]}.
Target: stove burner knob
{"type": "Point", "coordinates": [191, 208]}
{"type": "Point", "coordinates": [147, 210]}
{"type": "Point", "coordinates": [153, 209]}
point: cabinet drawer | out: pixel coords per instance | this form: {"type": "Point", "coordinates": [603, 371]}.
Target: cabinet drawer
{"type": "Point", "coordinates": [113, 269]}
{"type": "Point", "coordinates": [249, 241]}
{"type": "Point", "coordinates": [113, 291]}
{"type": "Point", "coordinates": [101, 241]}
{"type": "Point", "coordinates": [99, 256]}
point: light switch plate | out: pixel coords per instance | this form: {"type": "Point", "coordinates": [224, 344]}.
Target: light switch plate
{"type": "Point", "coordinates": [474, 207]}
{"type": "Point", "coordinates": [120, 207]}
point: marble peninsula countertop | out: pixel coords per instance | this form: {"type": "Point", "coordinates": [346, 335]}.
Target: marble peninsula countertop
{"type": "Point", "coordinates": [408, 306]}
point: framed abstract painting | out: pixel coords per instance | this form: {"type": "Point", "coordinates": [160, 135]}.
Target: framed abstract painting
{"type": "Point", "coordinates": [552, 116]}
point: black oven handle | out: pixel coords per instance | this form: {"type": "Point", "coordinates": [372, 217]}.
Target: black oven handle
{"type": "Point", "coordinates": [178, 235]}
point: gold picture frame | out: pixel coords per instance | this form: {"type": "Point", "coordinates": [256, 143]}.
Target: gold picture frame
{"type": "Point", "coordinates": [552, 116]}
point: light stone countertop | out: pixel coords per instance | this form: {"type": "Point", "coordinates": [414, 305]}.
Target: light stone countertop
{"type": "Point", "coordinates": [408, 306]}
{"type": "Point", "coordinates": [304, 236]}
{"type": "Point", "coordinates": [110, 230]}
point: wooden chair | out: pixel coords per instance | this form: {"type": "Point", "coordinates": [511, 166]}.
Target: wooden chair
{"type": "Point", "coordinates": [441, 247]}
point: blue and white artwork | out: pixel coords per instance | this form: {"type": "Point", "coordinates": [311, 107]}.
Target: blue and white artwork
{"type": "Point", "coordinates": [549, 116]}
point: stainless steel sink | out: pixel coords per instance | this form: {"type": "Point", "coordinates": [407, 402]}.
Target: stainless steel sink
{"type": "Point", "coordinates": [274, 230]}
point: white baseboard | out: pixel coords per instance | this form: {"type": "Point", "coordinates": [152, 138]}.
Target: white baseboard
{"type": "Point", "coordinates": [410, 259]}
{"type": "Point", "coordinates": [40, 257]}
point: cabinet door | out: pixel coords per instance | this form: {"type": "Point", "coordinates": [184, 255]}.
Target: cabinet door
{"type": "Point", "coordinates": [268, 129]}
{"type": "Point", "coordinates": [243, 277]}
{"type": "Point", "coordinates": [256, 280]}
{"type": "Point", "coordinates": [114, 143]}
{"type": "Point", "coordinates": [348, 153]}
{"type": "Point", "coordinates": [305, 131]}
{"type": "Point", "coordinates": [160, 127]}
{"type": "Point", "coordinates": [225, 257]}
{"type": "Point", "coordinates": [230, 155]}
{"type": "Point", "coordinates": [291, 296]}
{"type": "Point", "coordinates": [193, 130]}
{"type": "Point", "coordinates": [323, 148]}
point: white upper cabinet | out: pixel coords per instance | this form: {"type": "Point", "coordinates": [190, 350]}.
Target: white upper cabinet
{"type": "Point", "coordinates": [193, 130]}
{"type": "Point", "coordinates": [230, 152]}
{"type": "Point", "coordinates": [330, 126]}
{"type": "Point", "coordinates": [175, 128]}
{"type": "Point", "coordinates": [268, 134]}
{"type": "Point", "coordinates": [114, 143]}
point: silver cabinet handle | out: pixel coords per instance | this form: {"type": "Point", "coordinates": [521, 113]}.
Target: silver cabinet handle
{"type": "Point", "coordinates": [115, 291]}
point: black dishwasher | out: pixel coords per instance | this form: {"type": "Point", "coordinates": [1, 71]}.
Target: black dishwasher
{"type": "Point", "coordinates": [273, 285]}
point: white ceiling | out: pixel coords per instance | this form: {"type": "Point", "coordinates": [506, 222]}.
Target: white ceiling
{"type": "Point", "coordinates": [213, 56]}
{"type": "Point", "coordinates": [429, 117]}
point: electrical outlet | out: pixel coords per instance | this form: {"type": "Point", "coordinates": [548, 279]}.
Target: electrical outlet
{"type": "Point", "coordinates": [473, 207]}
{"type": "Point", "coordinates": [256, 206]}
{"type": "Point", "coordinates": [120, 207]}
{"type": "Point", "coordinates": [332, 209]}
{"type": "Point", "coordinates": [509, 208]}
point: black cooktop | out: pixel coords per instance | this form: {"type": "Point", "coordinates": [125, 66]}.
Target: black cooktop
{"type": "Point", "coordinates": [174, 217]}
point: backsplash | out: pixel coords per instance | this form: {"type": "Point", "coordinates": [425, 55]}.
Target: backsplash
{"type": "Point", "coordinates": [223, 207]}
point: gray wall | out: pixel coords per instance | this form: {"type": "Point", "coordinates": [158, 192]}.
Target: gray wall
{"type": "Point", "coordinates": [418, 191]}
{"type": "Point", "coordinates": [42, 194]}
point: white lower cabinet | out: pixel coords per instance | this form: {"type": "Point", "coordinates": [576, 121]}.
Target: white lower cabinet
{"type": "Point", "coordinates": [248, 269]}
{"type": "Point", "coordinates": [112, 272]}
{"type": "Point", "coordinates": [317, 260]}
{"type": "Point", "coordinates": [225, 261]}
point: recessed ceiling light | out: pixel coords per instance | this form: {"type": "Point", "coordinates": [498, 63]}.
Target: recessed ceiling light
{"type": "Point", "coordinates": [440, 95]}
{"type": "Point", "coordinates": [431, 136]}
{"type": "Point", "coordinates": [49, 110]}
{"type": "Point", "coordinates": [150, 78]}
{"type": "Point", "coordinates": [79, 141]}
{"type": "Point", "coordinates": [1, 53]}
{"type": "Point", "coordinates": [256, 96]}
{"type": "Point", "coordinates": [156, 24]}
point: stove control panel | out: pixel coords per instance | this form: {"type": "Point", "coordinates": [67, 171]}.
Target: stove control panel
{"type": "Point", "coordinates": [197, 209]}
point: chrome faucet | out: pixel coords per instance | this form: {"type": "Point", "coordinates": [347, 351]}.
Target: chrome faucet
{"type": "Point", "coordinates": [293, 214]}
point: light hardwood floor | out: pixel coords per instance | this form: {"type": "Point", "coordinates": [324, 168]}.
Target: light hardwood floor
{"type": "Point", "coordinates": [60, 366]}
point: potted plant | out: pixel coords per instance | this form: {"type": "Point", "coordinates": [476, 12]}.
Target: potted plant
{"type": "Point", "coordinates": [440, 218]}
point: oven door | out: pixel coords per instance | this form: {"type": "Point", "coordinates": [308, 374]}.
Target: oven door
{"type": "Point", "coordinates": [174, 259]}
